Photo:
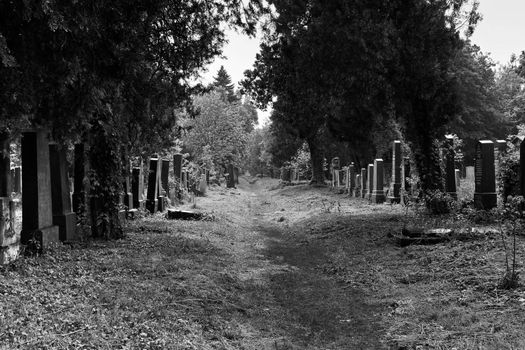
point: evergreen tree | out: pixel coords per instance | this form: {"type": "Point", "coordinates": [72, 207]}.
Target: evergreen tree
{"type": "Point", "coordinates": [224, 81]}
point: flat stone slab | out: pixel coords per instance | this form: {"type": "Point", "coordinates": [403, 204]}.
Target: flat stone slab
{"type": "Point", "coordinates": [410, 236]}
{"type": "Point", "coordinates": [184, 215]}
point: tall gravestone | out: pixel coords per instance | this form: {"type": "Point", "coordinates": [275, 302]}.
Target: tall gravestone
{"type": "Point", "coordinates": [335, 166]}
{"type": "Point", "coordinates": [458, 177]}
{"type": "Point", "coordinates": [378, 193]}
{"type": "Point", "coordinates": [357, 188]}
{"type": "Point", "coordinates": [231, 177]}
{"type": "Point", "coordinates": [37, 214]}
{"type": "Point", "coordinates": [485, 196]}
{"type": "Point", "coordinates": [370, 178]}
{"type": "Point", "coordinates": [236, 172]}
{"type": "Point", "coordinates": [152, 201]}
{"type": "Point", "coordinates": [450, 167]}
{"type": "Point", "coordinates": [9, 225]}
{"type": "Point", "coordinates": [396, 182]}
{"type": "Point", "coordinates": [351, 178]}
{"type": "Point", "coordinates": [165, 176]}
{"type": "Point", "coordinates": [63, 216]}
{"type": "Point", "coordinates": [363, 183]}
{"type": "Point", "coordinates": [137, 187]}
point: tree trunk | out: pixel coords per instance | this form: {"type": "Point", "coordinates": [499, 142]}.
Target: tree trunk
{"type": "Point", "coordinates": [316, 155]}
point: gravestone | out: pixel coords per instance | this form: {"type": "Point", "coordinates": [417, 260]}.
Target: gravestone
{"type": "Point", "coordinates": [161, 198]}
{"type": "Point", "coordinates": [203, 186]}
{"type": "Point", "coordinates": [152, 201]}
{"type": "Point", "coordinates": [363, 183]}
{"type": "Point", "coordinates": [450, 168]}
{"type": "Point", "coordinates": [17, 179]}
{"type": "Point", "coordinates": [351, 178]}
{"type": "Point", "coordinates": [378, 193]}
{"type": "Point", "coordinates": [395, 183]}
{"type": "Point", "coordinates": [231, 177]}
{"type": "Point", "coordinates": [370, 178]}
{"type": "Point", "coordinates": [458, 177]}
{"type": "Point", "coordinates": [137, 187]}
{"type": "Point", "coordinates": [9, 225]}
{"type": "Point", "coordinates": [485, 176]}
{"type": "Point", "coordinates": [357, 188]}
{"type": "Point", "coordinates": [63, 216]}
{"type": "Point", "coordinates": [184, 180]}
{"type": "Point", "coordinates": [165, 176]}
{"type": "Point", "coordinates": [37, 214]}
{"type": "Point", "coordinates": [469, 173]}
{"type": "Point", "coordinates": [236, 172]}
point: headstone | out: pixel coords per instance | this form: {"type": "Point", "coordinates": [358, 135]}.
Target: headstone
{"type": "Point", "coordinates": [11, 181]}
{"type": "Point", "coordinates": [203, 186]}
{"type": "Point", "coordinates": [458, 177]}
{"type": "Point", "coordinates": [363, 183]}
{"type": "Point", "coordinates": [378, 192]}
{"type": "Point", "coordinates": [231, 177]}
{"type": "Point", "coordinates": [485, 176]}
{"type": "Point", "coordinates": [351, 177]}
{"type": "Point", "coordinates": [161, 197]}
{"type": "Point", "coordinates": [357, 188]}
{"type": "Point", "coordinates": [184, 180]}
{"type": "Point", "coordinates": [17, 179]}
{"type": "Point", "coordinates": [370, 178]}
{"type": "Point", "coordinates": [450, 168]}
{"type": "Point", "coordinates": [137, 187]}
{"type": "Point", "coordinates": [152, 201]}
{"type": "Point", "coordinates": [37, 214]}
{"type": "Point", "coordinates": [236, 172]}
{"type": "Point", "coordinates": [395, 184]}
{"type": "Point", "coordinates": [63, 216]}
{"type": "Point", "coordinates": [165, 176]}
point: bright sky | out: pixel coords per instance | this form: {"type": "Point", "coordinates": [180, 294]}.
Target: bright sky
{"type": "Point", "coordinates": [502, 30]}
{"type": "Point", "coordinates": [501, 33]}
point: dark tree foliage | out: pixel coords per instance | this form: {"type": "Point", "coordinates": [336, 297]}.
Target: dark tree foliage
{"type": "Point", "coordinates": [109, 72]}
{"type": "Point", "coordinates": [223, 81]}
{"type": "Point", "coordinates": [349, 67]}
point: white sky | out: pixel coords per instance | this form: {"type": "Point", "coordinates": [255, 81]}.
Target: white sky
{"type": "Point", "coordinates": [501, 33]}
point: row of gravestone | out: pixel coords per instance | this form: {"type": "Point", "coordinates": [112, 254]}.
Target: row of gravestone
{"type": "Point", "coordinates": [49, 209]}
{"type": "Point", "coordinates": [369, 182]}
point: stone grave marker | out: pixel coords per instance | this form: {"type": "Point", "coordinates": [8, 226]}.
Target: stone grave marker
{"type": "Point", "coordinates": [485, 176]}
{"type": "Point", "coordinates": [370, 178]}
{"type": "Point", "coordinates": [351, 178]}
{"type": "Point", "coordinates": [63, 216]}
{"type": "Point", "coordinates": [165, 176]}
{"type": "Point", "coordinates": [450, 168]}
{"type": "Point", "coordinates": [457, 172]}
{"type": "Point", "coordinates": [137, 187]}
{"type": "Point", "coordinates": [357, 188]}
{"type": "Point", "coordinates": [152, 201]}
{"type": "Point", "coordinates": [363, 183]}
{"type": "Point", "coordinates": [378, 193]}
{"type": "Point", "coordinates": [37, 214]}
{"type": "Point", "coordinates": [231, 177]}
{"type": "Point", "coordinates": [177, 173]}
{"type": "Point", "coordinates": [469, 173]}
{"type": "Point", "coordinates": [394, 194]}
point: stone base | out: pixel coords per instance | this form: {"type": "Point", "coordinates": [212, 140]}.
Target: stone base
{"type": "Point", "coordinates": [66, 226]}
{"type": "Point", "coordinates": [485, 201]}
{"type": "Point", "coordinates": [45, 236]}
{"type": "Point", "coordinates": [152, 205]}
{"type": "Point", "coordinates": [9, 253]}
{"type": "Point", "coordinates": [377, 197]}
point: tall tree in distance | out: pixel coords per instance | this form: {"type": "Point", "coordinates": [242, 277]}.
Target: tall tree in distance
{"type": "Point", "coordinates": [223, 81]}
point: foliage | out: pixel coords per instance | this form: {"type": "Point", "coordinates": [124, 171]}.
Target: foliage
{"type": "Point", "coordinates": [509, 172]}
{"type": "Point", "coordinates": [511, 93]}
{"type": "Point", "coordinates": [223, 81]}
{"type": "Point", "coordinates": [302, 163]}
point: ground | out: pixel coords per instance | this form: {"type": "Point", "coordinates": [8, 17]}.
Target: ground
{"type": "Point", "coordinates": [270, 268]}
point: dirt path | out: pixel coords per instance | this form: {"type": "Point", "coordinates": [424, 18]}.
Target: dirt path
{"type": "Point", "coordinates": [294, 303]}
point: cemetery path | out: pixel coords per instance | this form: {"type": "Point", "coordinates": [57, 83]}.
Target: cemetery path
{"type": "Point", "coordinates": [294, 300]}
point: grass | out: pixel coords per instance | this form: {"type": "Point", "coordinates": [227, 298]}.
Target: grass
{"type": "Point", "coordinates": [288, 268]}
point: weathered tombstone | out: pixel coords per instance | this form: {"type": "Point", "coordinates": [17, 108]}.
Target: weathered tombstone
{"type": "Point", "coordinates": [485, 196]}
{"type": "Point", "coordinates": [450, 168]}
{"type": "Point", "coordinates": [37, 215]}
{"type": "Point", "coordinates": [63, 216]}
{"type": "Point", "coordinates": [351, 178]}
{"type": "Point", "coordinates": [137, 187]}
{"type": "Point", "coordinates": [184, 180]}
{"type": "Point", "coordinates": [236, 172]}
{"type": "Point", "coordinates": [161, 198]}
{"type": "Point", "coordinates": [177, 173]}
{"type": "Point", "coordinates": [395, 184]}
{"type": "Point", "coordinates": [203, 186]}
{"type": "Point", "coordinates": [9, 225]}
{"type": "Point", "coordinates": [363, 183]}
{"type": "Point", "coordinates": [152, 201]}
{"type": "Point", "coordinates": [165, 175]}
{"type": "Point", "coordinates": [357, 188]}
{"type": "Point", "coordinates": [458, 177]}
{"type": "Point", "coordinates": [370, 178]}
{"type": "Point", "coordinates": [231, 177]}
{"type": "Point", "coordinates": [17, 179]}
{"type": "Point", "coordinates": [378, 193]}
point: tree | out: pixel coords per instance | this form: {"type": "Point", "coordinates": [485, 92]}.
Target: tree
{"type": "Point", "coordinates": [223, 81]}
